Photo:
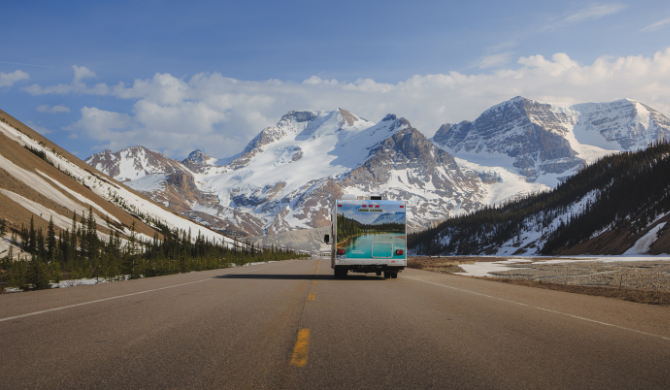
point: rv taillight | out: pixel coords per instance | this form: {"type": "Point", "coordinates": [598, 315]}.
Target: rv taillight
{"type": "Point", "coordinates": [399, 252]}
{"type": "Point", "coordinates": [339, 205]}
{"type": "Point", "coordinates": [377, 206]}
{"type": "Point", "coordinates": [401, 206]}
{"type": "Point", "coordinates": [365, 206]}
{"type": "Point", "coordinates": [370, 205]}
{"type": "Point", "coordinates": [340, 251]}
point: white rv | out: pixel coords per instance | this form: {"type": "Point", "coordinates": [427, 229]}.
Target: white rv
{"type": "Point", "coordinates": [368, 235]}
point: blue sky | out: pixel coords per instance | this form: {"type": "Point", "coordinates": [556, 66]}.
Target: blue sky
{"type": "Point", "coordinates": [178, 76]}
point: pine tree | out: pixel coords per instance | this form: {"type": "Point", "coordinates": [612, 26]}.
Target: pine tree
{"type": "Point", "coordinates": [131, 250]}
{"type": "Point", "coordinates": [40, 249]}
{"type": "Point", "coordinates": [51, 240]}
{"type": "Point", "coordinates": [3, 228]}
{"type": "Point", "coordinates": [38, 274]}
{"type": "Point", "coordinates": [32, 238]}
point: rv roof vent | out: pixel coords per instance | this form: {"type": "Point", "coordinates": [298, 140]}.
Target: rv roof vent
{"type": "Point", "coordinates": [375, 198]}
{"type": "Point", "coordinates": [348, 197]}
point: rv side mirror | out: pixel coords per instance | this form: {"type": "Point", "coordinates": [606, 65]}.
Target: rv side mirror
{"type": "Point", "coordinates": [326, 238]}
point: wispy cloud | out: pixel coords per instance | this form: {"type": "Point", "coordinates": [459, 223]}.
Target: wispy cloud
{"type": "Point", "coordinates": [45, 108]}
{"type": "Point", "coordinates": [595, 11]}
{"type": "Point", "coordinates": [22, 64]}
{"type": "Point", "coordinates": [7, 79]}
{"type": "Point", "coordinates": [658, 25]}
{"type": "Point", "coordinates": [592, 12]}
{"type": "Point", "coordinates": [495, 60]}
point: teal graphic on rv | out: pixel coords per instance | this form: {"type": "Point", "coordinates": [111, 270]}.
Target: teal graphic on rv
{"type": "Point", "coordinates": [371, 229]}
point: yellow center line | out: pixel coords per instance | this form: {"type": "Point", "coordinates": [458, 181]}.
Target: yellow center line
{"type": "Point", "coordinates": [301, 349]}
{"type": "Point", "coordinates": [311, 297]}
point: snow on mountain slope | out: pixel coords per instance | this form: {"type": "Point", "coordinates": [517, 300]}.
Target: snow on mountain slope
{"type": "Point", "coordinates": [289, 174]}
{"type": "Point", "coordinates": [59, 185]}
{"type": "Point", "coordinates": [622, 125]}
{"type": "Point", "coordinates": [134, 163]}
{"type": "Point", "coordinates": [547, 142]}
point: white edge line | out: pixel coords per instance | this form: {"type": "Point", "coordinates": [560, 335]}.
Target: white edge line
{"type": "Point", "coordinates": [121, 296]}
{"type": "Point", "coordinates": [543, 309]}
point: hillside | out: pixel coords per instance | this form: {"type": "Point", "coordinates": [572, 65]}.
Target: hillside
{"type": "Point", "coordinates": [69, 216]}
{"type": "Point", "coordinates": [617, 205]}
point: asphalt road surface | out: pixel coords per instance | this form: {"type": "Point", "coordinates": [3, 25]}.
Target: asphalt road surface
{"type": "Point", "coordinates": [292, 325]}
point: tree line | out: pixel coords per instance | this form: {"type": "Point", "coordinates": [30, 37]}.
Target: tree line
{"type": "Point", "coordinates": [80, 252]}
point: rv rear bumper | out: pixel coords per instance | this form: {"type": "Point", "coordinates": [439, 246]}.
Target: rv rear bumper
{"type": "Point", "coordinates": [374, 268]}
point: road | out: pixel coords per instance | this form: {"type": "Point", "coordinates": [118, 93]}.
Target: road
{"type": "Point", "coordinates": [291, 325]}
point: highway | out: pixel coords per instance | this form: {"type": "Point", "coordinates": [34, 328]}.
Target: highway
{"type": "Point", "coordinates": [291, 325]}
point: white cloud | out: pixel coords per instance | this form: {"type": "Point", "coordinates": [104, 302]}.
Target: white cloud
{"type": "Point", "coordinates": [76, 86]}
{"type": "Point", "coordinates": [82, 72]}
{"type": "Point", "coordinates": [7, 79]}
{"type": "Point", "coordinates": [45, 108]}
{"type": "Point", "coordinates": [657, 26]}
{"type": "Point", "coordinates": [221, 114]}
{"type": "Point", "coordinates": [495, 60]}
{"type": "Point", "coordinates": [107, 125]}
{"type": "Point", "coordinates": [596, 11]}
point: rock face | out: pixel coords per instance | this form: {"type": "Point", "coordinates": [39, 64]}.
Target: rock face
{"type": "Point", "coordinates": [542, 139]}
{"type": "Point", "coordinates": [626, 122]}
{"type": "Point", "coordinates": [525, 130]}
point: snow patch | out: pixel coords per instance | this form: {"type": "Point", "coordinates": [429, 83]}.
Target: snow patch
{"type": "Point", "coordinates": [644, 243]}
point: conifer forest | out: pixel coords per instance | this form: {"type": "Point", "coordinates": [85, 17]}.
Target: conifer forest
{"type": "Point", "coordinates": [79, 252]}
{"type": "Point", "coordinates": [624, 191]}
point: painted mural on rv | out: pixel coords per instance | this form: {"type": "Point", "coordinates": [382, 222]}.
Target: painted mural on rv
{"type": "Point", "coordinates": [371, 229]}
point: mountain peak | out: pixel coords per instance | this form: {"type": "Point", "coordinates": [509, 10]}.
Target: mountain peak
{"type": "Point", "coordinates": [299, 116]}
{"type": "Point", "coordinates": [198, 156]}
{"type": "Point", "coordinates": [197, 160]}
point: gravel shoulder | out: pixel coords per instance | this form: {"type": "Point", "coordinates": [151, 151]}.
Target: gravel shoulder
{"type": "Point", "coordinates": [645, 281]}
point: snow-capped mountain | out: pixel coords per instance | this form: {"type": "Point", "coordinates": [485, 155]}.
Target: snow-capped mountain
{"type": "Point", "coordinates": [546, 142]}
{"type": "Point", "coordinates": [289, 174]}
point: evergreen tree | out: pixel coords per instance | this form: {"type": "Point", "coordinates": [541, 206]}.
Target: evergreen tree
{"type": "Point", "coordinates": [40, 250]}
{"type": "Point", "coordinates": [51, 240]}
{"type": "Point", "coordinates": [32, 237]}
{"type": "Point", "coordinates": [38, 275]}
{"type": "Point", "coordinates": [3, 228]}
